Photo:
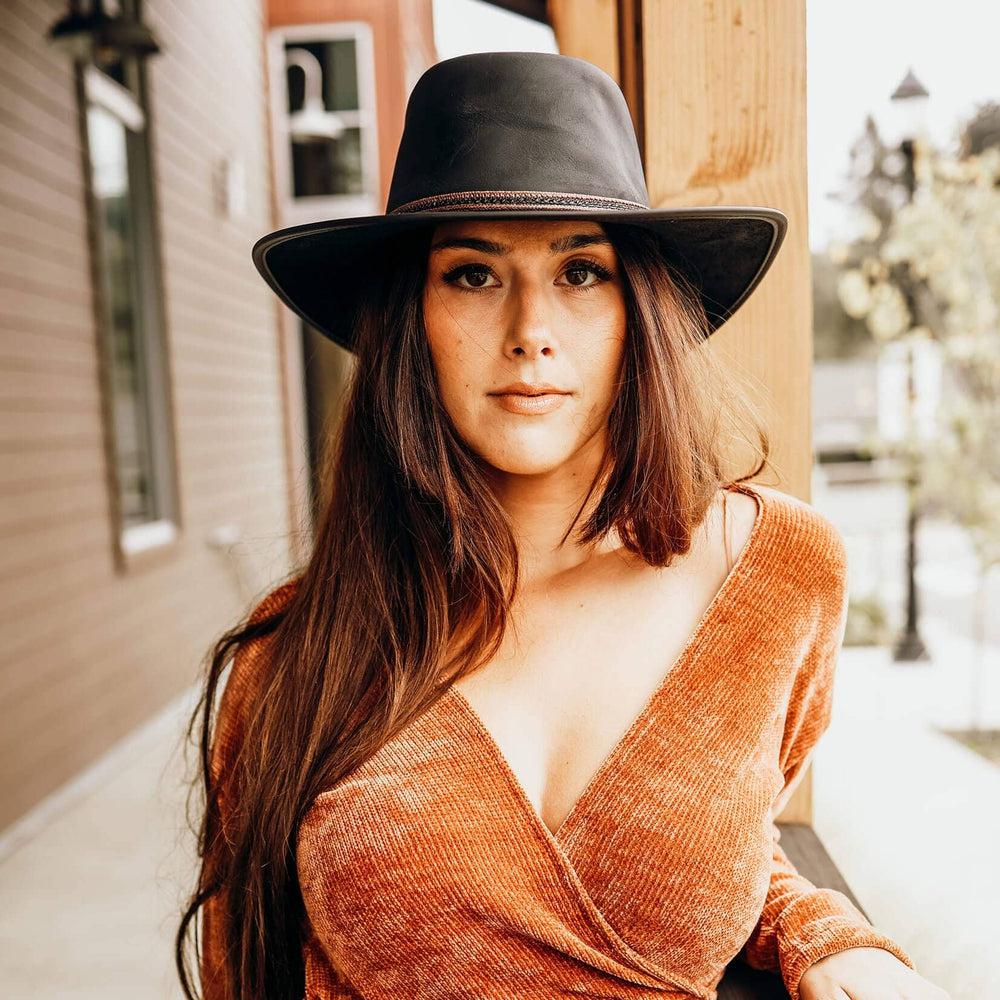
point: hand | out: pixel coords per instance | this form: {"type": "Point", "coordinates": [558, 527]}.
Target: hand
{"type": "Point", "coordinates": [865, 974]}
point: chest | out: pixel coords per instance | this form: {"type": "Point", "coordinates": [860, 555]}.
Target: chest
{"type": "Point", "coordinates": [579, 667]}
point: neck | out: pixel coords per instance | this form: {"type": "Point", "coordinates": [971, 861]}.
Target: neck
{"type": "Point", "coordinates": [542, 506]}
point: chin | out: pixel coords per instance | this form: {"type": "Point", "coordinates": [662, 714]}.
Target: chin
{"type": "Point", "coordinates": [521, 460]}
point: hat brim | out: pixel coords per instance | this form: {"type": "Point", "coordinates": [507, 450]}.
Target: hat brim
{"type": "Point", "coordinates": [317, 269]}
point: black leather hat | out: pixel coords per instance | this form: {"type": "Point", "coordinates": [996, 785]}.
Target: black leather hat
{"type": "Point", "coordinates": [503, 135]}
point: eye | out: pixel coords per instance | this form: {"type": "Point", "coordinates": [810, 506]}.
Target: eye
{"type": "Point", "coordinates": [473, 271]}
{"type": "Point", "coordinates": [582, 267]}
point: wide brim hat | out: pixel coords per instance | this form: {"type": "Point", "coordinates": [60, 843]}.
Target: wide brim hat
{"type": "Point", "coordinates": [515, 135]}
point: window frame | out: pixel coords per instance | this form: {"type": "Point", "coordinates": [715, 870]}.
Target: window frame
{"type": "Point", "coordinates": [133, 544]}
{"type": "Point", "coordinates": [295, 211]}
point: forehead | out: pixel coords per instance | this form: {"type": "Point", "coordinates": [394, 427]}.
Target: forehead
{"type": "Point", "coordinates": [512, 235]}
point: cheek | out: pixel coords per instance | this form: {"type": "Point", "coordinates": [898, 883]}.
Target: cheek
{"type": "Point", "coordinates": [599, 358]}
{"type": "Point", "coordinates": [455, 357]}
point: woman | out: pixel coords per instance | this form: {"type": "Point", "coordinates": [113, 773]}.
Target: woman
{"type": "Point", "coordinates": [520, 725]}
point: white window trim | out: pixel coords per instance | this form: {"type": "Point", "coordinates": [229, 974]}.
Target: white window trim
{"type": "Point", "coordinates": [294, 211]}
{"type": "Point", "coordinates": [114, 98]}
{"type": "Point", "coordinates": [133, 540]}
{"type": "Point", "coordinates": [152, 535]}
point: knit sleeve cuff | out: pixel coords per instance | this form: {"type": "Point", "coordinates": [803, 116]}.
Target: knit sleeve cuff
{"type": "Point", "coordinates": [824, 923]}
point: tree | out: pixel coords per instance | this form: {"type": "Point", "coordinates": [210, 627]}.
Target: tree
{"type": "Point", "coordinates": [930, 267]}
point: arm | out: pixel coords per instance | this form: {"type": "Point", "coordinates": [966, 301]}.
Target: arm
{"type": "Point", "coordinates": [801, 923]}
{"type": "Point", "coordinates": [322, 980]}
{"type": "Point", "coordinates": [225, 739]}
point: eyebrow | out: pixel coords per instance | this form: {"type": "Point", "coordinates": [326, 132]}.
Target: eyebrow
{"type": "Point", "coordinates": [560, 245]}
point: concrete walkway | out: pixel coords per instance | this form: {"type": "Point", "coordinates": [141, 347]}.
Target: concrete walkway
{"type": "Point", "coordinates": [92, 884]}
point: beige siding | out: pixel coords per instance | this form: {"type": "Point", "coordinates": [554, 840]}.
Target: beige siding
{"type": "Point", "coordinates": [90, 651]}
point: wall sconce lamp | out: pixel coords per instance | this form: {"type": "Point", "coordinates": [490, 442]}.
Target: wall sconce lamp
{"type": "Point", "coordinates": [99, 37]}
{"type": "Point", "coordinates": [312, 122]}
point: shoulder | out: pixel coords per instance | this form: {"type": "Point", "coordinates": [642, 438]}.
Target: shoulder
{"type": "Point", "coordinates": [249, 663]}
{"type": "Point", "coordinates": [250, 648]}
{"type": "Point", "coordinates": [803, 543]}
{"type": "Point", "coordinates": [275, 600]}
{"type": "Point", "coordinates": [741, 517]}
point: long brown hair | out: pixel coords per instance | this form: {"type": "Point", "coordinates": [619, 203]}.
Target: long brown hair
{"type": "Point", "coordinates": [409, 585]}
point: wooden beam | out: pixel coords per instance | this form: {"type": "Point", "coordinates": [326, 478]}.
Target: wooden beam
{"type": "Point", "coordinates": [725, 91]}
{"type": "Point", "coordinates": [587, 29]}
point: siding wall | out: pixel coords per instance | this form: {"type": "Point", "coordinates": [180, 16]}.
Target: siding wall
{"type": "Point", "coordinates": [89, 652]}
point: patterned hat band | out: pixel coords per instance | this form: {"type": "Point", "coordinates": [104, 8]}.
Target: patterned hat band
{"type": "Point", "coordinates": [484, 200]}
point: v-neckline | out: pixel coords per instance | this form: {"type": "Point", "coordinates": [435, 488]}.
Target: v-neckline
{"type": "Point", "coordinates": [737, 574]}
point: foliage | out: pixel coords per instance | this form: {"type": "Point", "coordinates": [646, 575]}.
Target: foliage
{"type": "Point", "coordinates": [836, 334]}
{"type": "Point", "coordinates": [867, 622]}
{"type": "Point", "coordinates": [929, 266]}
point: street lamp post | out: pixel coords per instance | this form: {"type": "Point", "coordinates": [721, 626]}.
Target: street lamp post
{"type": "Point", "coordinates": [911, 98]}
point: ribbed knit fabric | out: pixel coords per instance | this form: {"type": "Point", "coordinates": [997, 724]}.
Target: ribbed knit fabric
{"type": "Point", "coordinates": [427, 872]}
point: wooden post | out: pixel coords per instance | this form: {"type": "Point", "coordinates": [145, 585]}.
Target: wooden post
{"type": "Point", "coordinates": [587, 29]}
{"type": "Point", "coordinates": [719, 87]}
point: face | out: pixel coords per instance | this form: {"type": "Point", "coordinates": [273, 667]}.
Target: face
{"type": "Point", "coordinates": [537, 302]}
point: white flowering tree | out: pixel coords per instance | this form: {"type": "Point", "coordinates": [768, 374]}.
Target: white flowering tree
{"type": "Point", "coordinates": [930, 267]}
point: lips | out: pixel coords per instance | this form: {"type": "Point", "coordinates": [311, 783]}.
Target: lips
{"type": "Point", "coordinates": [530, 400]}
{"type": "Point", "coordinates": [529, 389]}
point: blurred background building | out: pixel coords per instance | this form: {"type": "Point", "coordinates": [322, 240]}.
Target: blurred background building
{"type": "Point", "coordinates": [159, 406]}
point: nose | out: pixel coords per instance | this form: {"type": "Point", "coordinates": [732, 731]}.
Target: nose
{"type": "Point", "coordinates": [529, 329]}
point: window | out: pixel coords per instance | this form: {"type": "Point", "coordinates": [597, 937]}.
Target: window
{"type": "Point", "coordinates": [324, 114]}
{"type": "Point", "coordinates": [134, 361]}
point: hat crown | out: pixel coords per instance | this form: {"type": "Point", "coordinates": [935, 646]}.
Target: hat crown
{"type": "Point", "coordinates": [493, 128]}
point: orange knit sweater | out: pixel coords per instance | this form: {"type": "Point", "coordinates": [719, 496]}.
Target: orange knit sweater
{"type": "Point", "coordinates": [427, 872]}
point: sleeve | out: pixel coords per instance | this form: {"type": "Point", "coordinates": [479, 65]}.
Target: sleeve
{"type": "Point", "coordinates": [212, 971]}
{"type": "Point", "coordinates": [801, 923]}
{"type": "Point", "coordinates": [225, 738]}
{"type": "Point", "coordinates": [323, 982]}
